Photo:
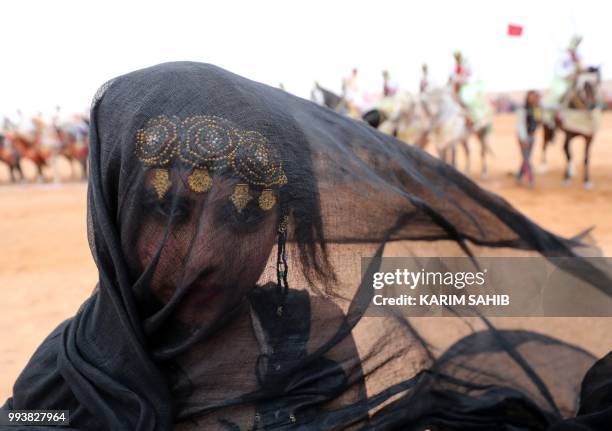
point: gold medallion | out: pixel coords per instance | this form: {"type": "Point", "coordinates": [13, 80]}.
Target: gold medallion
{"type": "Point", "coordinates": [199, 181]}
{"type": "Point", "coordinates": [267, 199]}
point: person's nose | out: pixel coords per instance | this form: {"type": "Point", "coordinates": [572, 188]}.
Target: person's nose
{"type": "Point", "coordinates": [210, 245]}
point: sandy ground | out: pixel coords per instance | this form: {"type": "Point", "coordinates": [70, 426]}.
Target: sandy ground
{"type": "Point", "coordinates": [46, 269]}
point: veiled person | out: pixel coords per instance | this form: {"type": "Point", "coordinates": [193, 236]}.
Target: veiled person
{"type": "Point", "coordinates": [227, 220]}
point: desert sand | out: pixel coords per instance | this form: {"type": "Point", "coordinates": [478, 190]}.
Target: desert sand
{"type": "Point", "coordinates": [46, 268]}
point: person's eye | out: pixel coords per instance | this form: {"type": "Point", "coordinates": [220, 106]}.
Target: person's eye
{"type": "Point", "coordinates": [169, 208]}
{"type": "Point", "coordinates": [249, 218]}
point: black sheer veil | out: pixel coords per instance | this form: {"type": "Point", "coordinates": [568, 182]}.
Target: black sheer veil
{"type": "Point", "coordinates": [227, 220]}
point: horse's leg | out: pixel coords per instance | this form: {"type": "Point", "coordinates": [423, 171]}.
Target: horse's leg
{"type": "Point", "coordinates": [40, 174]}
{"type": "Point", "coordinates": [483, 138]}
{"type": "Point", "coordinates": [466, 146]}
{"type": "Point", "coordinates": [18, 168]}
{"type": "Point", "coordinates": [422, 141]}
{"type": "Point", "coordinates": [16, 173]}
{"type": "Point", "coordinates": [588, 184]}
{"type": "Point", "coordinates": [55, 166]}
{"type": "Point", "coordinates": [446, 155]}
{"type": "Point", "coordinates": [73, 175]}
{"type": "Point", "coordinates": [569, 170]}
{"type": "Point", "coordinates": [12, 172]}
{"type": "Point", "coordinates": [15, 167]}
{"type": "Point", "coordinates": [549, 135]}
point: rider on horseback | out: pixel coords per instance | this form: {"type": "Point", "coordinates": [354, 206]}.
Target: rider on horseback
{"type": "Point", "coordinates": [389, 87]}
{"type": "Point", "coordinates": [458, 80]}
{"type": "Point", "coordinates": [569, 67]}
{"type": "Point", "coordinates": [351, 94]}
{"type": "Point", "coordinates": [461, 73]}
{"type": "Point", "coordinates": [424, 84]}
{"type": "Point", "coordinates": [573, 107]}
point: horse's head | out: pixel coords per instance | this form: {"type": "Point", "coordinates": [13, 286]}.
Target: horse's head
{"type": "Point", "coordinates": [587, 88]}
{"type": "Point", "coordinates": [325, 97]}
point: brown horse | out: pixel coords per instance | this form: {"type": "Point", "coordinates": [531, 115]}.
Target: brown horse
{"type": "Point", "coordinates": [11, 157]}
{"type": "Point", "coordinates": [30, 148]}
{"type": "Point", "coordinates": [74, 145]}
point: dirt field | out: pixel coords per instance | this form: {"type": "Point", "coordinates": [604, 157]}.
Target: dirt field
{"type": "Point", "coordinates": [46, 269]}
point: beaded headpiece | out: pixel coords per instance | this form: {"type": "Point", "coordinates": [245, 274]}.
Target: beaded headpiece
{"type": "Point", "coordinates": [207, 143]}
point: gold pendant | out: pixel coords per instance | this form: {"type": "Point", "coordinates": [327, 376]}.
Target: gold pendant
{"type": "Point", "coordinates": [241, 197]}
{"type": "Point", "coordinates": [161, 182]}
{"type": "Point", "coordinates": [267, 199]}
{"type": "Point", "coordinates": [199, 181]}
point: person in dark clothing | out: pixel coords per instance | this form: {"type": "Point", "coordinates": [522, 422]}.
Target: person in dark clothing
{"type": "Point", "coordinates": [228, 220]}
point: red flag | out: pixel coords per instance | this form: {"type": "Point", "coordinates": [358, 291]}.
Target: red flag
{"type": "Point", "coordinates": [515, 30]}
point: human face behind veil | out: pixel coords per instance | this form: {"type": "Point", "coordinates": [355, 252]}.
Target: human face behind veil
{"type": "Point", "coordinates": [210, 254]}
{"type": "Point", "coordinates": [192, 170]}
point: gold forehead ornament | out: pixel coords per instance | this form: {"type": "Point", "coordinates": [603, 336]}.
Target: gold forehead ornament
{"type": "Point", "coordinates": [207, 143]}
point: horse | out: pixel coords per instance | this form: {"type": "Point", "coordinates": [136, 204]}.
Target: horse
{"type": "Point", "coordinates": [480, 121]}
{"type": "Point", "coordinates": [434, 115]}
{"type": "Point", "coordinates": [73, 144]}
{"type": "Point", "coordinates": [396, 116]}
{"type": "Point", "coordinates": [11, 157]}
{"type": "Point", "coordinates": [483, 134]}
{"type": "Point", "coordinates": [324, 97]}
{"type": "Point", "coordinates": [38, 143]}
{"type": "Point", "coordinates": [30, 147]}
{"type": "Point", "coordinates": [579, 115]}
{"type": "Point", "coordinates": [449, 123]}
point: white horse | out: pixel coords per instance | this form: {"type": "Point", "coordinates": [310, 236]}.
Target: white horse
{"type": "Point", "coordinates": [436, 115]}
{"type": "Point", "coordinates": [481, 113]}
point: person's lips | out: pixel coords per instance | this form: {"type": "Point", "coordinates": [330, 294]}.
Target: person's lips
{"type": "Point", "coordinates": [205, 295]}
{"type": "Point", "coordinates": [203, 290]}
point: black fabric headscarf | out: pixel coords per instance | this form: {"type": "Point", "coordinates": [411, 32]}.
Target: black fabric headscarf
{"type": "Point", "coordinates": [227, 220]}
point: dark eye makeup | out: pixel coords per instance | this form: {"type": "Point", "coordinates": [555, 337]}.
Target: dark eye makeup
{"type": "Point", "coordinates": [171, 207]}
{"type": "Point", "coordinates": [248, 219]}
{"type": "Point", "coordinates": [178, 210]}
